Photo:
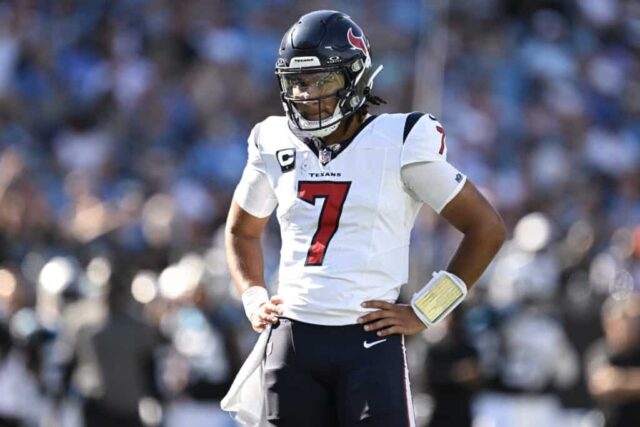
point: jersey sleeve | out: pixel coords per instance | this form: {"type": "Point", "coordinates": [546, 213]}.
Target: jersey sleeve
{"type": "Point", "coordinates": [433, 183]}
{"type": "Point", "coordinates": [425, 172]}
{"type": "Point", "coordinates": [424, 141]}
{"type": "Point", "coordinates": [254, 192]}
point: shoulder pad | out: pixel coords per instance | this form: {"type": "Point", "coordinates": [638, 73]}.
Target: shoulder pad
{"type": "Point", "coordinates": [424, 139]}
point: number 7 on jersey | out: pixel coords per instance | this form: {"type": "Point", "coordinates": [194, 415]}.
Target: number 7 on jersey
{"type": "Point", "coordinates": [334, 195]}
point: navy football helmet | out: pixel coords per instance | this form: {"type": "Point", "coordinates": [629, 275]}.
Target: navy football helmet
{"type": "Point", "coordinates": [324, 55]}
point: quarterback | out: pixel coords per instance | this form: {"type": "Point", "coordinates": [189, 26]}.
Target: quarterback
{"type": "Point", "coordinates": [346, 186]}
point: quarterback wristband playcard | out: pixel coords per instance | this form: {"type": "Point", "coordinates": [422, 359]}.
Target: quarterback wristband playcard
{"type": "Point", "coordinates": [439, 297]}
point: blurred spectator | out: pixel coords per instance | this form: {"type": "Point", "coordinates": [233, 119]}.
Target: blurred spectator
{"type": "Point", "coordinates": [614, 363]}
{"type": "Point", "coordinates": [534, 361]}
{"type": "Point", "coordinates": [115, 364]}
{"type": "Point", "coordinates": [10, 413]}
{"type": "Point", "coordinates": [452, 374]}
{"type": "Point", "coordinates": [202, 330]}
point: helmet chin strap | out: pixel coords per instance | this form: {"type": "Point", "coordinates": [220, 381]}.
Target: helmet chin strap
{"type": "Point", "coordinates": [320, 133]}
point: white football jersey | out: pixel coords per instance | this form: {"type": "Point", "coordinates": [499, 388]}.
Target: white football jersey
{"type": "Point", "coordinates": [345, 219]}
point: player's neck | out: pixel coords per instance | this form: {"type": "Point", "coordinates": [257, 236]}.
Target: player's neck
{"type": "Point", "coordinates": [345, 131]}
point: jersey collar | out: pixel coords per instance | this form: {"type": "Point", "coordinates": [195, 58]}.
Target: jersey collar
{"type": "Point", "coordinates": [326, 153]}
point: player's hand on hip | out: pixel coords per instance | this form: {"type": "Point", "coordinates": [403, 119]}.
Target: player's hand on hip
{"type": "Point", "coordinates": [391, 319]}
{"type": "Point", "coordinates": [267, 313]}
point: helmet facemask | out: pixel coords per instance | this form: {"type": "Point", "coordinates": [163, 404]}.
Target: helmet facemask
{"type": "Point", "coordinates": [321, 43]}
{"type": "Point", "coordinates": [358, 80]}
{"type": "Point", "coordinates": [308, 96]}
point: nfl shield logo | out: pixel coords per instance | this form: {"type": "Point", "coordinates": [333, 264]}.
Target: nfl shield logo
{"type": "Point", "coordinates": [325, 156]}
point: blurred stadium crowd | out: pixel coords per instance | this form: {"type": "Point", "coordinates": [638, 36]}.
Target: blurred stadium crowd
{"type": "Point", "coordinates": [123, 131]}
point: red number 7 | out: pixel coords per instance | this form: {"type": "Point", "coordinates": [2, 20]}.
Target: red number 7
{"type": "Point", "coordinates": [334, 195]}
{"type": "Point", "coordinates": [441, 131]}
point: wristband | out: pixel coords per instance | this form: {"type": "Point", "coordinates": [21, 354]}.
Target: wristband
{"type": "Point", "coordinates": [438, 298]}
{"type": "Point", "coordinates": [252, 298]}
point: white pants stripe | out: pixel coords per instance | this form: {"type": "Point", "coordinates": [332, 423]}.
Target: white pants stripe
{"type": "Point", "coordinates": [407, 388]}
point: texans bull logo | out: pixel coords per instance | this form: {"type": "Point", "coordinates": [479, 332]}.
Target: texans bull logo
{"type": "Point", "coordinates": [357, 42]}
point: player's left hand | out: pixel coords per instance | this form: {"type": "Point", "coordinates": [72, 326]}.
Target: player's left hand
{"type": "Point", "coordinates": [391, 319]}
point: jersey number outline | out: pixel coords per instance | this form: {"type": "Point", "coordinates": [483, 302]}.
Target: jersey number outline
{"type": "Point", "coordinates": [334, 194]}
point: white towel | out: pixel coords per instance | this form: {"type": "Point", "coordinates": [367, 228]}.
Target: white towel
{"type": "Point", "coordinates": [245, 398]}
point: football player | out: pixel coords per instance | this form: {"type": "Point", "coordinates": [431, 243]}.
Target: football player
{"type": "Point", "coordinates": [347, 186]}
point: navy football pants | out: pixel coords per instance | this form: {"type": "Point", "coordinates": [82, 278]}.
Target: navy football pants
{"type": "Point", "coordinates": [335, 376]}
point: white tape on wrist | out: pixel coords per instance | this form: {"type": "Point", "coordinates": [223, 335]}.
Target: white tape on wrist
{"type": "Point", "coordinates": [252, 298]}
{"type": "Point", "coordinates": [444, 292]}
